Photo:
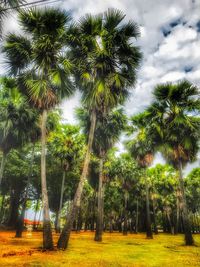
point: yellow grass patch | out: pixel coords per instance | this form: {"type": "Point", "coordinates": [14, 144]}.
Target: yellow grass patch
{"type": "Point", "coordinates": [116, 250]}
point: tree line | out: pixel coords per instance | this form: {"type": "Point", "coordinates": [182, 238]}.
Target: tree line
{"type": "Point", "coordinates": [81, 174]}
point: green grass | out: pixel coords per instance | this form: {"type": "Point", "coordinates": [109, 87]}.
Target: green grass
{"type": "Point", "coordinates": [116, 250]}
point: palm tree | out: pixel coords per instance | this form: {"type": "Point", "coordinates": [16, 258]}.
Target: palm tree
{"type": "Point", "coordinates": [68, 146]}
{"type": "Point", "coordinates": [106, 62]}
{"type": "Point", "coordinates": [142, 149]}
{"type": "Point", "coordinates": [39, 61]}
{"type": "Point", "coordinates": [126, 171]}
{"type": "Point", "coordinates": [16, 116]}
{"type": "Point", "coordinates": [106, 134]}
{"type": "Point", "coordinates": [175, 115]}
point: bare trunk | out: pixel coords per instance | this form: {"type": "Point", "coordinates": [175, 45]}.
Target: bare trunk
{"type": "Point", "coordinates": [99, 222]}
{"type": "Point", "coordinates": [186, 222]}
{"type": "Point", "coordinates": [125, 228]}
{"type": "Point", "coordinates": [177, 212]}
{"type": "Point", "coordinates": [136, 221]}
{"type": "Point", "coordinates": [65, 235]}
{"type": "Point", "coordinates": [20, 223]}
{"type": "Point", "coordinates": [3, 161]}
{"type": "Point", "coordinates": [35, 215]}
{"type": "Point", "coordinates": [47, 233]}
{"type": "Point", "coordinates": [61, 202]}
{"type": "Point", "coordinates": [148, 216]}
{"type": "Point", "coordinates": [154, 215]}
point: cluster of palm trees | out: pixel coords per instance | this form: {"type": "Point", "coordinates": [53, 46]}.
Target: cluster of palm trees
{"type": "Point", "coordinates": [52, 58]}
{"type": "Point", "coordinates": [171, 125]}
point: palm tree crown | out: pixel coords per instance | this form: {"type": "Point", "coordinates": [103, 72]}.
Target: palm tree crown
{"type": "Point", "coordinates": [38, 56]}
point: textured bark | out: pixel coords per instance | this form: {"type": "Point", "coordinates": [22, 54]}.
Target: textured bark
{"type": "Point", "coordinates": [61, 202]}
{"type": "Point", "coordinates": [148, 216]}
{"type": "Point", "coordinates": [3, 161]}
{"type": "Point", "coordinates": [100, 210]}
{"type": "Point", "coordinates": [65, 234]}
{"type": "Point", "coordinates": [47, 233]}
{"type": "Point", "coordinates": [186, 222]}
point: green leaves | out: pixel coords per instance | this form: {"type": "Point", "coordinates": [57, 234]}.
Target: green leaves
{"type": "Point", "coordinates": [104, 58]}
{"type": "Point", "coordinates": [44, 74]}
{"type": "Point", "coordinates": [18, 53]}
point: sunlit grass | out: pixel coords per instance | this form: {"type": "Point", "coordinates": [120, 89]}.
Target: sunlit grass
{"type": "Point", "coordinates": [116, 250]}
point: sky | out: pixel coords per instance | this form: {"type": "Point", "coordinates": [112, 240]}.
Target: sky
{"type": "Point", "coordinates": [170, 43]}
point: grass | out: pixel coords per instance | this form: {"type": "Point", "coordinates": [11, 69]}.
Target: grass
{"type": "Point", "coordinates": [116, 250]}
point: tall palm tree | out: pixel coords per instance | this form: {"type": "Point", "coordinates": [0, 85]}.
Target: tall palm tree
{"type": "Point", "coordinates": [175, 115]}
{"type": "Point", "coordinates": [38, 59]}
{"type": "Point", "coordinates": [106, 134]}
{"type": "Point", "coordinates": [106, 62]}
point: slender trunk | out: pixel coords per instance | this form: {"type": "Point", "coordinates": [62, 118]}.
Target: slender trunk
{"type": "Point", "coordinates": [20, 222]}
{"type": "Point", "coordinates": [3, 161]}
{"type": "Point", "coordinates": [47, 233]}
{"type": "Point", "coordinates": [14, 208]}
{"type": "Point", "coordinates": [39, 218]}
{"type": "Point", "coordinates": [177, 221]}
{"type": "Point", "coordinates": [148, 216]}
{"type": "Point", "coordinates": [111, 224]}
{"type": "Point", "coordinates": [65, 235]}
{"type": "Point", "coordinates": [99, 221]}
{"type": "Point", "coordinates": [61, 202]}
{"type": "Point", "coordinates": [35, 215]}
{"type": "Point", "coordinates": [154, 216]}
{"type": "Point", "coordinates": [125, 228]}
{"type": "Point", "coordinates": [186, 222]}
{"type": "Point", "coordinates": [136, 221]}
{"type": "Point", "coordinates": [2, 208]}
{"type": "Point", "coordinates": [167, 209]}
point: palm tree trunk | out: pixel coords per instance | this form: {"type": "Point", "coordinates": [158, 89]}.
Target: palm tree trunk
{"type": "Point", "coordinates": [35, 215]}
{"type": "Point", "coordinates": [61, 202]}
{"type": "Point", "coordinates": [65, 235]}
{"type": "Point", "coordinates": [136, 221]}
{"type": "Point", "coordinates": [125, 228]}
{"type": "Point", "coordinates": [148, 216]}
{"type": "Point", "coordinates": [99, 224]}
{"type": "Point", "coordinates": [2, 208]}
{"type": "Point", "coordinates": [20, 223]}
{"type": "Point", "coordinates": [154, 216]}
{"type": "Point", "coordinates": [47, 233]}
{"type": "Point", "coordinates": [3, 161]}
{"type": "Point", "coordinates": [176, 229]}
{"type": "Point", "coordinates": [186, 222]}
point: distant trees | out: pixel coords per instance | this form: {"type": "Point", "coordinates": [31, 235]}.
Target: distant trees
{"type": "Point", "coordinates": [106, 134]}
{"type": "Point", "coordinates": [17, 120]}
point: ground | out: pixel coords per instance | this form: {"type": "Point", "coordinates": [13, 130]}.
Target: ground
{"type": "Point", "coordinates": [116, 250]}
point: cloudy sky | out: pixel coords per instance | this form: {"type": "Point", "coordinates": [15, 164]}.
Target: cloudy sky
{"type": "Point", "coordinates": [170, 42]}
